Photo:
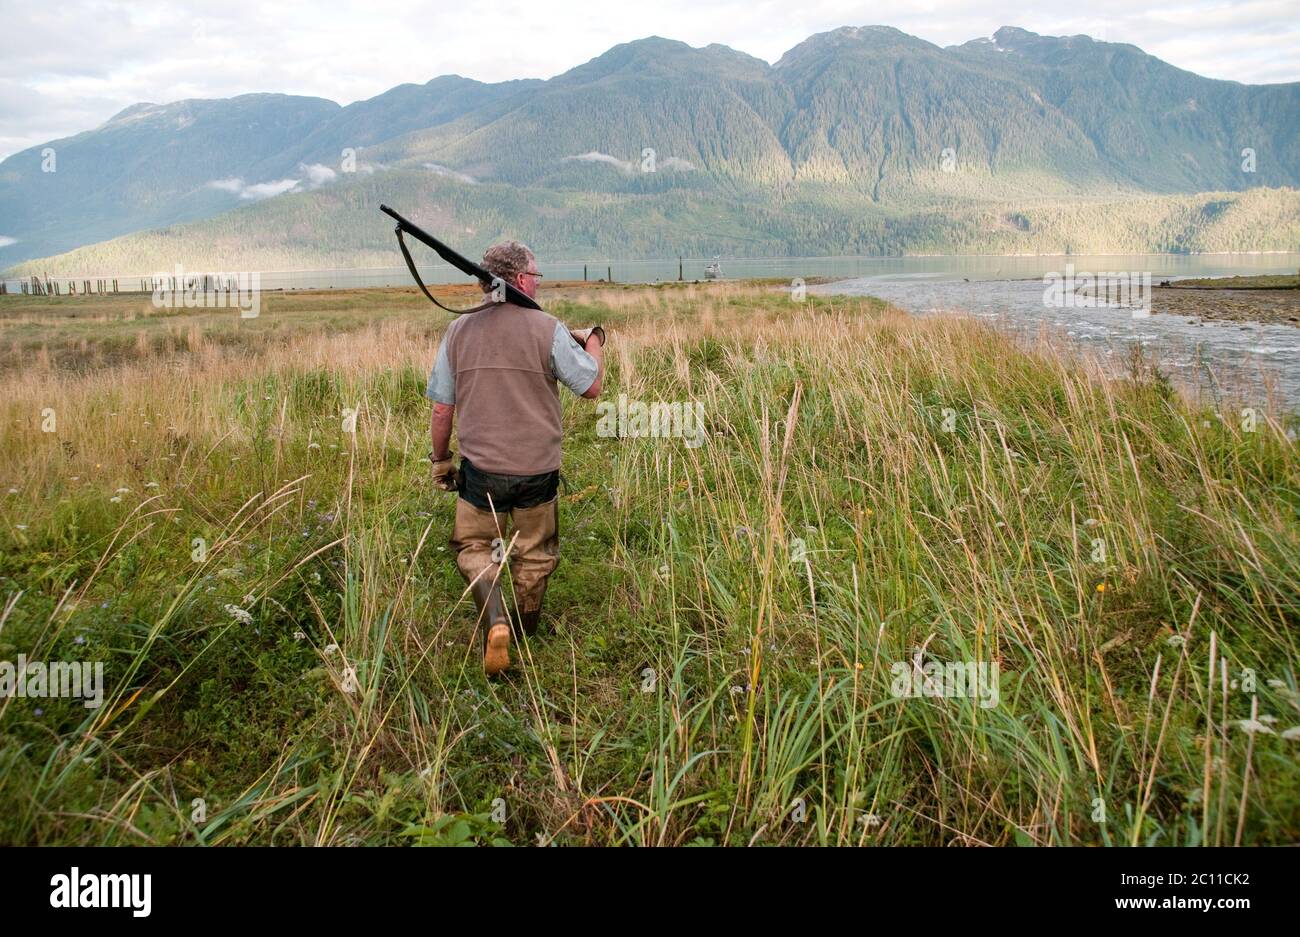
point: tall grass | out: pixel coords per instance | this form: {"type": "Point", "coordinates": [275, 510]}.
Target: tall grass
{"type": "Point", "coordinates": [718, 660]}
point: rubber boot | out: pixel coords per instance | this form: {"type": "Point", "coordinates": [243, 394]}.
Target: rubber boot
{"type": "Point", "coordinates": [494, 625]}
{"type": "Point", "coordinates": [473, 535]}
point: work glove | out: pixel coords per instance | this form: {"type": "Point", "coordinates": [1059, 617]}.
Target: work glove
{"type": "Point", "coordinates": [444, 473]}
{"type": "Point", "coordinates": [581, 335]}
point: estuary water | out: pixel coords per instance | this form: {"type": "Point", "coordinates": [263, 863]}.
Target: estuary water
{"type": "Point", "coordinates": [1241, 362]}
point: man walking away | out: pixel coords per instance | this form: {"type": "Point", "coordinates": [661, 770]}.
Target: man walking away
{"type": "Point", "coordinates": [497, 370]}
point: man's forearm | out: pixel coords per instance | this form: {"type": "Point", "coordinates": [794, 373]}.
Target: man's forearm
{"type": "Point", "coordinates": [440, 429]}
{"type": "Point", "coordinates": [596, 348]}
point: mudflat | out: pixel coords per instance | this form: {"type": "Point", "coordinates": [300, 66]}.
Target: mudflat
{"type": "Point", "coordinates": [1233, 304]}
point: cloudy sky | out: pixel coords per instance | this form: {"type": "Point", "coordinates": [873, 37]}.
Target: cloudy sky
{"type": "Point", "coordinates": [69, 65]}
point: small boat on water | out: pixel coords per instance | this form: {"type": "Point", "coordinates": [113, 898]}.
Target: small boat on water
{"type": "Point", "coordinates": [713, 271]}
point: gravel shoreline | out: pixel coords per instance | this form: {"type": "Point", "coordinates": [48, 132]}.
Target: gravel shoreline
{"type": "Point", "coordinates": [1276, 307]}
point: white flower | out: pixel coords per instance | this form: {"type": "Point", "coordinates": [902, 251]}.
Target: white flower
{"type": "Point", "coordinates": [116, 499]}
{"type": "Point", "coordinates": [151, 484]}
{"type": "Point", "coordinates": [239, 614]}
{"type": "Point", "coordinates": [14, 491]}
{"type": "Point", "coordinates": [1292, 734]}
{"type": "Point", "coordinates": [20, 526]}
{"type": "Point", "coordinates": [124, 491]}
{"type": "Point", "coordinates": [1251, 726]}
{"type": "Point", "coordinates": [313, 445]}
{"type": "Point", "coordinates": [872, 820]}
{"type": "Point", "coordinates": [1268, 720]}
{"type": "Point", "coordinates": [1175, 640]}
{"type": "Point", "coordinates": [331, 648]}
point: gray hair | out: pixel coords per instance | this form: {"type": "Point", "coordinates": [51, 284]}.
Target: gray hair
{"type": "Point", "coordinates": [506, 259]}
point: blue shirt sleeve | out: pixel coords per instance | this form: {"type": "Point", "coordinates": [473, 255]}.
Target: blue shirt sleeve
{"type": "Point", "coordinates": [442, 383]}
{"type": "Point", "coordinates": [570, 363]}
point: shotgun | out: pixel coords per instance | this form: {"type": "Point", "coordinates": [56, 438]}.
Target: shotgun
{"type": "Point", "coordinates": [461, 263]}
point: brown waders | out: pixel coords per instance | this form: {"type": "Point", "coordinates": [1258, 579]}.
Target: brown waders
{"type": "Point", "coordinates": [481, 537]}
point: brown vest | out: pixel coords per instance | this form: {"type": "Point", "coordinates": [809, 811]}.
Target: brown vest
{"type": "Point", "coordinates": [507, 404]}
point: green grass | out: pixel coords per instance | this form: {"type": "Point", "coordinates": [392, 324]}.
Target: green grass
{"type": "Point", "coordinates": [700, 676]}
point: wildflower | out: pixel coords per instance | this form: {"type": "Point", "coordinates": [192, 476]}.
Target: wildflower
{"type": "Point", "coordinates": [857, 665]}
{"type": "Point", "coordinates": [1269, 720]}
{"type": "Point", "coordinates": [116, 499]}
{"type": "Point", "coordinates": [124, 491]}
{"type": "Point", "coordinates": [871, 820]}
{"type": "Point", "coordinates": [1292, 734]}
{"type": "Point", "coordinates": [237, 613]}
{"type": "Point", "coordinates": [331, 649]}
{"type": "Point", "coordinates": [313, 445]}
{"type": "Point", "coordinates": [1090, 523]}
{"type": "Point", "coordinates": [151, 484]}
{"type": "Point", "coordinates": [1175, 640]}
{"type": "Point", "coordinates": [13, 491]}
{"type": "Point", "coordinates": [1251, 726]}
{"type": "Point", "coordinates": [299, 635]}
{"type": "Point", "coordinates": [1101, 587]}
{"type": "Point", "coordinates": [20, 526]}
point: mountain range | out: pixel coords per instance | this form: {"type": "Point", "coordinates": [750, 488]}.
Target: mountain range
{"type": "Point", "coordinates": [860, 140]}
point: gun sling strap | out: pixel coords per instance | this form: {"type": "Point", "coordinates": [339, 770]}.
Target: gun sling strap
{"type": "Point", "coordinates": [410, 265]}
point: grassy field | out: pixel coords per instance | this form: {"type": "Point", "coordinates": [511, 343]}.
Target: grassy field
{"type": "Point", "coordinates": [287, 645]}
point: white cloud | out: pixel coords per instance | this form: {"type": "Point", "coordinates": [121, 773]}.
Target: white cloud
{"type": "Point", "coordinates": [597, 157]}
{"type": "Point", "coordinates": [317, 174]}
{"type": "Point", "coordinates": [255, 192]}
{"type": "Point", "coordinates": [268, 189]}
{"type": "Point", "coordinates": [449, 172]}
{"type": "Point", "coordinates": [6, 241]}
